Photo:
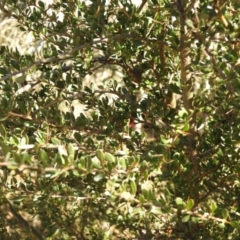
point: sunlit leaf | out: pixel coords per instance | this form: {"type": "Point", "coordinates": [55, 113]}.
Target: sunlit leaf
{"type": "Point", "coordinates": [179, 201]}
{"type": "Point", "coordinates": [213, 206]}
{"type": "Point", "coordinates": [71, 152]}
{"type": "Point", "coordinates": [98, 177]}
{"type": "Point", "coordinates": [100, 155]}
{"type": "Point", "coordinates": [190, 204]}
{"type": "Point", "coordinates": [225, 213]}
{"type": "Point", "coordinates": [43, 156]}
{"type": "Point", "coordinates": [133, 187]}
{"type": "Point", "coordinates": [110, 158]}
{"type": "Point", "coordinates": [186, 218]}
{"type": "Point", "coordinates": [2, 131]}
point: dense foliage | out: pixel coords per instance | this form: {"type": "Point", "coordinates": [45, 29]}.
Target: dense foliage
{"type": "Point", "coordinates": [69, 173]}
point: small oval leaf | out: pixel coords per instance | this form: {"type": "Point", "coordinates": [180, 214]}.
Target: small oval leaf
{"type": "Point", "coordinates": [179, 201]}
{"type": "Point", "coordinates": [101, 156]}
{"type": "Point", "coordinates": [98, 177]}
{"type": "Point", "coordinates": [133, 187]}
{"type": "Point", "coordinates": [190, 204]}
{"type": "Point", "coordinates": [109, 158]}
{"type": "Point", "coordinates": [42, 156]}
{"type": "Point", "coordinates": [186, 218]}
{"type": "Point", "coordinates": [225, 213]}
{"type": "Point", "coordinates": [15, 64]}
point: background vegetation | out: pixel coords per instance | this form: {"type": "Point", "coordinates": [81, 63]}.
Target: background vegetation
{"type": "Point", "coordinates": [72, 165]}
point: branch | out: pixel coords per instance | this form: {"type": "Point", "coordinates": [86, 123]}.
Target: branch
{"type": "Point", "coordinates": [77, 198]}
{"type": "Point", "coordinates": [140, 9]}
{"type": "Point", "coordinates": [124, 10]}
{"type": "Point", "coordinates": [68, 54]}
{"type": "Point", "coordinates": [23, 222]}
{"type": "Point", "coordinates": [206, 216]}
{"type": "Point", "coordinates": [209, 151]}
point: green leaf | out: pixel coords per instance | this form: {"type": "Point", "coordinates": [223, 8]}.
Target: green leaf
{"type": "Point", "coordinates": [89, 164]}
{"type": "Point", "coordinates": [2, 119]}
{"type": "Point", "coordinates": [77, 41]}
{"type": "Point", "coordinates": [235, 224]}
{"type": "Point", "coordinates": [179, 201]}
{"type": "Point", "coordinates": [20, 79]}
{"type": "Point", "coordinates": [221, 225]}
{"type": "Point", "coordinates": [71, 152]}
{"type": "Point", "coordinates": [213, 206]}
{"type": "Point", "coordinates": [142, 198]}
{"type": "Point", "coordinates": [190, 204]}
{"type": "Point", "coordinates": [98, 177]}
{"type": "Point", "coordinates": [78, 137]}
{"type": "Point", "coordinates": [110, 167]}
{"type": "Point", "coordinates": [110, 158]}
{"type": "Point", "coordinates": [13, 166]}
{"type": "Point", "coordinates": [189, 23]}
{"type": "Point", "coordinates": [175, 88]}
{"type": "Point", "coordinates": [76, 173]}
{"type": "Point", "coordinates": [55, 141]}
{"type": "Point", "coordinates": [2, 49]}
{"type": "Point", "coordinates": [186, 127]}
{"type": "Point", "coordinates": [225, 213]}
{"type": "Point", "coordinates": [157, 203]}
{"type": "Point", "coordinates": [60, 159]}
{"type": "Point", "coordinates": [186, 218]}
{"type": "Point", "coordinates": [36, 147]}
{"type": "Point", "coordinates": [101, 156]}
{"type": "Point", "coordinates": [148, 195]}
{"type": "Point", "coordinates": [133, 187]}
{"type": "Point", "coordinates": [26, 158]}
{"type": "Point", "coordinates": [3, 131]}
{"type": "Point", "coordinates": [3, 71]}
{"type": "Point", "coordinates": [41, 4]}
{"type": "Point", "coordinates": [165, 141]}
{"type": "Point", "coordinates": [4, 148]}
{"type": "Point", "coordinates": [40, 140]}
{"type": "Point", "coordinates": [195, 219]}
{"type": "Point", "coordinates": [100, 137]}
{"type": "Point", "coordinates": [122, 162]}
{"type": "Point", "coordinates": [43, 157]}
{"type": "Point", "coordinates": [15, 64]}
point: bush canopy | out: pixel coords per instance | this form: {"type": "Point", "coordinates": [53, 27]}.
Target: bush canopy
{"type": "Point", "coordinates": [120, 119]}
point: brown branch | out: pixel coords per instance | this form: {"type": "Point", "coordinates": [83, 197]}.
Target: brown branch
{"type": "Point", "coordinates": [23, 222]}
{"type": "Point", "coordinates": [140, 9]}
{"type": "Point", "coordinates": [86, 131]}
{"type": "Point", "coordinates": [185, 38]}
{"type": "Point", "coordinates": [188, 90]}
{"type": "Point", "coordinates": [124, 10]}
{"type": "Point", "coordinates": [209, 151]}
{"type": "Point", "coordinates": [204, 217]}
{"type": "Point", "coordinates": [12, 114]}
{"type": "Point", "coordinates": [69, 54]}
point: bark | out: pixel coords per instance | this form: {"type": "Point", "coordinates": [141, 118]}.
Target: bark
{"type": "Point", "coordinates": [187, 85]}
